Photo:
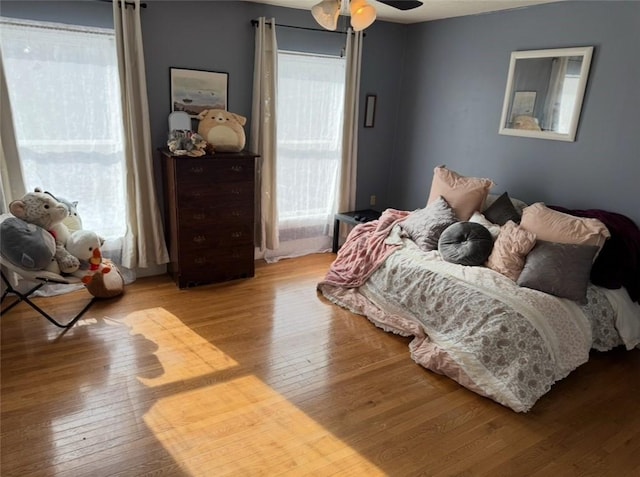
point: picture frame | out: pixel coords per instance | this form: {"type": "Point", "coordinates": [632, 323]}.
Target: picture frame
{"type": "Point", "coordinates": [370, 110]}
{"type": "Point", "coordinates": [523, 104]}
{"type": "Point", "coordinates": [193, 91]}
{"type": "Point", "coordinates": [556, 108]}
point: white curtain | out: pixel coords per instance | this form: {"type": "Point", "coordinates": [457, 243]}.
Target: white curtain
{"type": "Point", "coordinates": [66, 117]}
{"type": "Point", "coordinates": [12, 183]}
{"type": "Point", "coordinates": [65, 113]}
{"type": "Point", "coordinates": [553, 102]}
{"type": "Point", "coordinates": [349, 166]}
{"type": "Point", "coordinates": [144, 245]}
{"type": "Point", "coordinates": [59, 130]}
{"type": "Point", "coordinates": [317, 146]}
{"type": "Point", "coordinates": [311, 92]}
{"type": "Point", "coordinates": [264, 131]}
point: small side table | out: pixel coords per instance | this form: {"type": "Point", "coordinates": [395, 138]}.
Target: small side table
{"type": "Point", "coordinates": [354, 217]}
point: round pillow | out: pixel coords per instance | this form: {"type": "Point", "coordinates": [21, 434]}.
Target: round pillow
{"type": "Point", "coordinates": [465, 243]}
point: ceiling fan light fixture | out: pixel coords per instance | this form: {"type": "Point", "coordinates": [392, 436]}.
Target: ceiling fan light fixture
{"type": "Point", "coordinates": [362, 14]}
{"type": "Point", "coordinates": [326, 13]}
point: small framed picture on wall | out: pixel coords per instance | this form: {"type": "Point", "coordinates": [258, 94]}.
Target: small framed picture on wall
{"type": "Point", "coordinates": [193, 91]}
{"type": "Point", "coordinates": [370, 111]}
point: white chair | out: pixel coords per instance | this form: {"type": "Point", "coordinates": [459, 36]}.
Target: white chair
{"type": "Point", "coordinates": [40, 278]}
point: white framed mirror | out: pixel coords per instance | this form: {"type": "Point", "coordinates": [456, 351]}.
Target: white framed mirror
{"type": "Point", "coordinates": [544, 93]}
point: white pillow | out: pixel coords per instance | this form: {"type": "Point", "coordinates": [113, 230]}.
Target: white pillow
{"type": "Point", "coordinates": [478, 218]}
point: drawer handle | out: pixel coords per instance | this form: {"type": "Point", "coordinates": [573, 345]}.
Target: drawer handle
{"type": "Point", "coordinates": [199, 238]}
{"type": "Point", "coordinates": [235, 191]}
{"type": "Point", "coordinates": [199, 216]}
{"type": "Point", "coordinates": [236, 213]}
{"type": "Point", "coordinates": [197, 170]}
{"type": "Point", "coordinates": [235, 254]}
{"type": "Point", "coordinates": [196, 194]}
{"type": "Point", "coordinates": [236, 234]}
{"type": "Point", "coordinates": [236, 168]}
{"type": "Point", "coordinates": [200, 260]}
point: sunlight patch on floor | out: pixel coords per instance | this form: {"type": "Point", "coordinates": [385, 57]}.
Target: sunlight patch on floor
{"type": "Point", "coordinates": [181, 353]}
{"type": "Point", "coordinates": [237, 426]}
{"type": "Point", "coordinates": [243, 427]}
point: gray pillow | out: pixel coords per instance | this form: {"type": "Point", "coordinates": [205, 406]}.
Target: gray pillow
{"type": "Point", "coordinates": [465, 243]}
{"type": "Point", "coordinates": [559, 269]}
{"type": "Point", "coordinates": [26, 245]}
{"type": "Point", "coordinates": [424, 226]}
{"type": "Point", "coordinates": [502, 210]}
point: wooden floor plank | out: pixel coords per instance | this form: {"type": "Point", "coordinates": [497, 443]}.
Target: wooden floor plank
{"type": "Point", "coordinates": [266, 377]}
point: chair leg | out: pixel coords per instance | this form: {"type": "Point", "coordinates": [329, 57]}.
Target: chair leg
{"type": "Point", "coordinates": [19, 296]}
{"type": "Point", "coordinates": [24, 297]}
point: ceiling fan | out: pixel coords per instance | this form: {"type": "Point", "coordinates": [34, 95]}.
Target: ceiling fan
{"type": "Point", "coordinates": [402, 4]}
{"type": "Point", "coordinates": [363, 15]}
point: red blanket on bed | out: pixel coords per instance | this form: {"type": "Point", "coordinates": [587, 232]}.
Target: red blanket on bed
{"type": "Point", "coordinates": [364, 251]}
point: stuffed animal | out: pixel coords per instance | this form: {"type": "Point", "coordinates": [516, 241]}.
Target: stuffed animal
{"type": "Point", "coordinates": [60, 233]}
{"type": "Point", "coordinates": [106, 285]}
{"type": "Point", "coordinates": [222, 129]}
{"type": "Point", "coordinates": [85, 245]}
{"type": "Point", "coordinates": [526, 122]}
{"type": "Point", "coordinates": [73, 220]}
{"type": "Point", "coordinates": [44, 211]}
{"type": "Point", "coordinates": [26, 245]}
{"type": "Point", "coordinates": [72, 223]}
{"type": "Point", "coordinates": [100, 276]}
{"type": "Point", "coordinates": [184, 142]}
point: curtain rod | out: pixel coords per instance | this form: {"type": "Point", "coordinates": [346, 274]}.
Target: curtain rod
{"type": "Point", "coordinates": [255, 23]}
{"type": "Point", "coordinates": [143, 5]}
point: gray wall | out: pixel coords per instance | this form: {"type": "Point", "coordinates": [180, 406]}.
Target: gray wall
{"type": "Point", "coordinates": [453, 88]}
{"type": "Point", "coordinates": [89, 13]}
{"type": "Point", "coordinates": [440, 88]}
{"type": "Point", "coordinates": [218, 36]}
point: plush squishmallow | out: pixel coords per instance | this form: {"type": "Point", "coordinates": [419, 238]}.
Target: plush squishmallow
{"type": "Point", "coordinates": [222, 129]}
{"type": "Point", "coordinates": [526, 122]}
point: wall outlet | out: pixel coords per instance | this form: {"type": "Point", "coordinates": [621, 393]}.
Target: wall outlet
{"type": "Point", "coordinates": [372, 200]}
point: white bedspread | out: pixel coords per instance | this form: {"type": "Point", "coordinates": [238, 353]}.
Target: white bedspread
{"type": "Point", "coordinates": [503, 341]}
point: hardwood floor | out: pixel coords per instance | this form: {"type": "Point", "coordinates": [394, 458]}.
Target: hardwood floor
{"type": "Point", "coordinates": [266, 377]}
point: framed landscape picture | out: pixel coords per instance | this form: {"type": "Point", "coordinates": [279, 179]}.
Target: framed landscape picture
{"type": "Point", "coordinates": [193, 91]}
{"type": "Point", "coordinates": [523, 103]}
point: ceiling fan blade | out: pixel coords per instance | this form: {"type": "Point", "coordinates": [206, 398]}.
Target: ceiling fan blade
{"type": "Point", "coordinates": [402, 4]}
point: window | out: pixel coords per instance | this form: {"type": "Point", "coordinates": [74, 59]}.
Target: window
{"type": "Point", "coordinates": [65, 97]}
{"type": "Point", "coordinates": [567, 102]}
{"type": "Point", "coordinates": [310, 116]}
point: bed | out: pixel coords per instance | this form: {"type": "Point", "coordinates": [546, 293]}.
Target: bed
{"type": "Point", "coordinates": [506, 339]}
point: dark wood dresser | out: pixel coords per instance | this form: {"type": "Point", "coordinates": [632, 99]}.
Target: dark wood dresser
{"type": "Point", "coordinates": [209, 216]}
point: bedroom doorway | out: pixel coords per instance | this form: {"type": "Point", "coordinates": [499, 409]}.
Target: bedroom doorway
{"type": "Point", "coordinates": [310, 106]}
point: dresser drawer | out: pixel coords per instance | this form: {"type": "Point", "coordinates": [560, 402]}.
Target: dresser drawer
{"type": "Point", "coordinates": [241, 212]}
{"type": "Point", "coordinates": [209, 266]}
{"type": "Point", "coordinates": [196, 237]}
{"type": "Point", "coordinates": [216, 195]}
{"type": "Point", "coordinates": [195, 172]}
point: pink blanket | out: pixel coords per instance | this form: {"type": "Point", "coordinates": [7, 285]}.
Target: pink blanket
{"type": "Point", "coordinates": [364, 251]}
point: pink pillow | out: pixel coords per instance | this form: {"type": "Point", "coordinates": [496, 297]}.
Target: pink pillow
{"type": "Point", "coordinates": [510, 250]}
{"type": "Point", "coordinates": [554, 226]}
{"type": "Point", "coordinates": [465, 195]}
